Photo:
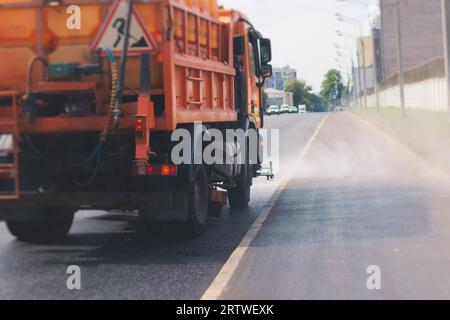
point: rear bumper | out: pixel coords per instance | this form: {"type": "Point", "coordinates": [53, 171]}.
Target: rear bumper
{"type": "Point", "coordinates": [163, 205]}
{"type": "Point", "coordinates": [98, 200]}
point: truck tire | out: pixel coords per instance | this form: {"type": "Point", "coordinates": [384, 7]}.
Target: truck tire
{"type": "Point", "coordinates": [239, 197]}
{"type": "Point", "coordinates": [54, 226]}
{"type": "Point", "coordinates": [198, 202]}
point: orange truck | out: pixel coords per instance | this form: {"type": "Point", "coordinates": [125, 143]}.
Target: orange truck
{"type": "Point", "coordinates": [91, 92]}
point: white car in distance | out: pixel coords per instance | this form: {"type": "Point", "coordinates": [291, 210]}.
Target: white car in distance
{"type": "Point", "coordinates": [302, 109]}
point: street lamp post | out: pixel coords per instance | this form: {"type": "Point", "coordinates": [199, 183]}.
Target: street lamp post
{"type": "Point", "coordinates": [360, 2]}
{"type": "Point", "coordinates": [356, 79]}
{"type": "Point", "coordinates": [363, 48]}
{"type": "Point", "coordinates": [357, 92]}
{"type": "Point", "coordinates": [341, 18]}
{"type": "Point", "coordinates": [344, 67]}
{"type": "Point", "coordinates": [375, 73]}
{"type": "Point", "coordinates": [401, 75]}
{"type": "Point", "coordinates": [359, 80]}
{"type": "Point", "coordinates": [375, 62]}
{"type": "Point", "coordinates": [351, 66]}
{"type": "Point", "coordinates": [354, 82]}
{"type": "Point", "coordinates": [445, 4]}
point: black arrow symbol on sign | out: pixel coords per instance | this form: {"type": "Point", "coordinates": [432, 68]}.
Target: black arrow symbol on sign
{"type": "Point", "coordinates": [119, 25]}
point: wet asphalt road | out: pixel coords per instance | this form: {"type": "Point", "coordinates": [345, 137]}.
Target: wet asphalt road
{"type": "Point", "coordinates": [358, 199]}
{"type": "Point", "coordinates": [120, 260]}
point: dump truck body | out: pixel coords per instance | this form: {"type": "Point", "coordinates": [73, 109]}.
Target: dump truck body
{"type": "Point", "coordinates": [191, 76]}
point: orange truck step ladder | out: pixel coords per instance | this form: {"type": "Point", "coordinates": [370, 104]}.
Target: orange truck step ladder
{"type": "Point", "coordinates": [9, 153]}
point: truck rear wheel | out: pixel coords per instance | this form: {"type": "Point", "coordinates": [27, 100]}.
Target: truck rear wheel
{"type": "Point", "coordinates": [55, 225]}
{"type": "Point", "coordinates": [198, 202]}
{"type": "Point", "coordinates": [239, 197]}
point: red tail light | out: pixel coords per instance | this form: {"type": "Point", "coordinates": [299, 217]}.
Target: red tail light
{"type": "Point", "coordinates": [168, 170]}
{"type": "Point", "coordinates": [157, 170]}
{"type": "Point", "coordinates": [140, 126]}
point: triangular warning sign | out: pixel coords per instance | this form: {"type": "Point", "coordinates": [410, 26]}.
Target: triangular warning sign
{"type": "Point", "coordinates": [112, 32]}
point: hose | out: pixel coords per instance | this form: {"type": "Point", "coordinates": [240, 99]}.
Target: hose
{"type": "Point", "coordinates": [114, 92]}
{"type": "Point", "coordinates": [29, 107]}
{"type": "Point", "coordinates": [97, 153]}
{"type": "Point", "coordinates": [30, 71]}
{"type": "Point", "coordinates": [98, 156]}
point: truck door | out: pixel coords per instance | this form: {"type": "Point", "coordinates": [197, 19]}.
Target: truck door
{"type": "Point", "coordinates": [252, 55]}
{"type": "Point", "coordinates": [259, 58]}
{"type": "Point", "coordinates": [254, 88]}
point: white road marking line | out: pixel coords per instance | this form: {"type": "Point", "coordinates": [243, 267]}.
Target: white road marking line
{"type": "Point", "coordinates": [306, 148]}
{"type": "Point", "coordinates": [219, 284]}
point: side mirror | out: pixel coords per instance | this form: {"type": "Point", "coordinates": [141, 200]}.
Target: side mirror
{"type": "Point", "coordinates": [265, 48]}
{"type": "Point", "coordinates": [266, 71]}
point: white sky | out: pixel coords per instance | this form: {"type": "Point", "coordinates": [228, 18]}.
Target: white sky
{"type": "Point", "coordinates": [302, 31]}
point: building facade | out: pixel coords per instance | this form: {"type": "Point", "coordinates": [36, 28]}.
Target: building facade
{"type": "Point", "coordinates": [421, 29]}
{"type": "Point", "coordinates": [280, 78]}
{"type": "Point", "coordinates": [364, 46]}
{"type": "Point", "coordinates": [278, 97]}
{"type": "Point", "coordinates": [365, 64]}
{"type": "Point", "coordinates": [358, 76]}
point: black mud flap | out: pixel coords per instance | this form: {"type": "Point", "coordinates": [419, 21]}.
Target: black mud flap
{"type": "Point", "coordinates": [175, 211]}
